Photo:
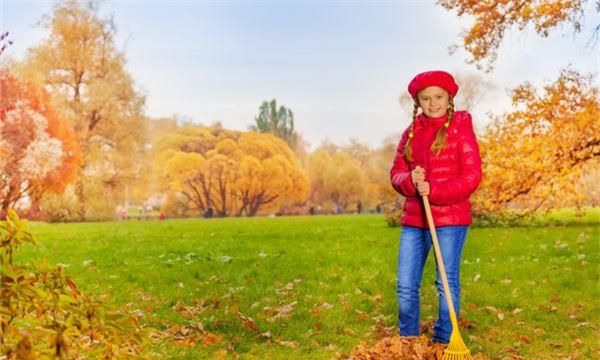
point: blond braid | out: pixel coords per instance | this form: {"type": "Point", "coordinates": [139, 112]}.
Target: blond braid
{"type": "Point", "coordinates": [441, 136]}
{"type": "Point", "coordinates": [408, 147]}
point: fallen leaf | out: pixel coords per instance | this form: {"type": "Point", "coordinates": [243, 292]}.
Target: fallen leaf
{"type": "Point", "coordinates": [331, 347]}
{"type": "Point", "coordinates": [491, 309]}
{"type": "Point", "coordinates": [210, 339]}
{"type": "Point", "coordinates": [281, 312]}
{"type": "Point", "coordinates": [266, 335]}
{"type": "Point", "coordinates": [291, 344]}
{"type": "Point", "coordinates": [472, 306]}
{"type": "Point", "coordinates": [247, 321]}
{"type": "Point", "coordinates": [464, 323]}
{"type": "Point", "coordinates": [326, 306]}
{"type": "Point", "coordinates": [362, 316]}
{"type": "Point", "coordinates": [349, 331]}
{"type": "Point", "coordinates": [220, 355]}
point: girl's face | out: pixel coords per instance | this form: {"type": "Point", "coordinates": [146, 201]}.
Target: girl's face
{"type": "Point", "coordinates": [434, 101]}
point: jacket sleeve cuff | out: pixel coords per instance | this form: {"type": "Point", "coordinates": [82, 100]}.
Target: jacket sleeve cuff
{"type": "Point", "coordinates": [403, 184]}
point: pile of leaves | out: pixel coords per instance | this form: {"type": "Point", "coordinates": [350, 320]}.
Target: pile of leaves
{"type": "Point", "coordinates": [401, 348]}
{"type": "Point", "coordinates": [396, 347]}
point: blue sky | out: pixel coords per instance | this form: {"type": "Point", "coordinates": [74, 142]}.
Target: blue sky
{"type": "Point", "coordinates": [339, 65]}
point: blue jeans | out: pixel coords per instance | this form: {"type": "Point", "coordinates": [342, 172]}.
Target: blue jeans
{"type": "Point", "coordinates": [414, 248]}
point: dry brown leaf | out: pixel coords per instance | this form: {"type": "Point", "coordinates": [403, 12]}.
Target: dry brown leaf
{"type": "Point", "coordinates": [349, 332]}
{"type": "Point", "coordinates": [492, 309]}
{"type": "Point", "coordinates": [516, 311]}
{"type": "Point", "coordinates": [247, 321]}
{"type": "Point", "coordinates": [220, 355]}
{"type": "Point", "coordinates": [210, 339]}
{"type": "Point", "coordinates": [464, 323]}
{"type": "Point", "coordinates": [265, 335]}
{"type": "Point", "coordinates": [292, 344]}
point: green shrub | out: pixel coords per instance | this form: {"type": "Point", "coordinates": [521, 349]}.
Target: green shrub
{"type": "Point", "coordinates": [62, 207]}
{"type": "Point", "coordinates": [392, 217]}
{"type": "Point", "coordinates": [44, 315]}
{"type": "Point", "coordinates": [99, 203]}
{"type": "Point", "coordinates": [511, 218]}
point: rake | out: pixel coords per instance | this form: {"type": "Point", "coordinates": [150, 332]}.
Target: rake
{"type": "Point", "coordinates": [456, 350]}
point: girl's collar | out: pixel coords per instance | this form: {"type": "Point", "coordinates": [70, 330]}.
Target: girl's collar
{"type": "Point", "coordinates": [435, 122]}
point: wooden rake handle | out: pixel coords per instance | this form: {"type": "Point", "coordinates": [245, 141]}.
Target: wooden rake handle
{"type": "Point", "coordinates": [440, 260]}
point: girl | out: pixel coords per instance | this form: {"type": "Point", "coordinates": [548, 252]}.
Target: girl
{"type": "Point", "coordinates": [438, 157]}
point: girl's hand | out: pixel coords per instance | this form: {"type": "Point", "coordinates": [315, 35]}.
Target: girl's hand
{"type": "Point", "coordinates": [417, 175]}
{"type": "Point", "coordinates": [423, 188]}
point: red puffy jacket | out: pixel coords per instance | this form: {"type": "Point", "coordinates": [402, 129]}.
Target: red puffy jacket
{"type": "Point", "coordinates": [453, 175]}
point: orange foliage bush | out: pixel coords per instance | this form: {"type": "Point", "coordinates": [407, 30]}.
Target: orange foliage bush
{"type": "Point", "coordinates": [39, 150]}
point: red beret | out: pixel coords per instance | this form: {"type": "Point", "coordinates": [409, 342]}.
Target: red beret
{"type": "Point", "coordinates": [433, 78]}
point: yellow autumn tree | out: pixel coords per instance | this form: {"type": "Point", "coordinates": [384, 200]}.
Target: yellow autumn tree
{"type": "Point", "coordinates": [534, 156]}
{"type": "Point", "coordinates": [375, 163]}
{"type": "Point", "coordinates": [383, 158]}
{"type": "Point", "coordinates": [80, 65]}
{"type": "Point", "coordinates": [543, 153]}
{"type": "Point", "coordinates": [230, 172]}
{"type": "Point", "coordinates": [337, 179]}
{"type": "Point", "coordinates": [493, 18]}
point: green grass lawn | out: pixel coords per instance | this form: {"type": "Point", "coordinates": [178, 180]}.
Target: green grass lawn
{"type": "Point", "coordinates": [315, 287]}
